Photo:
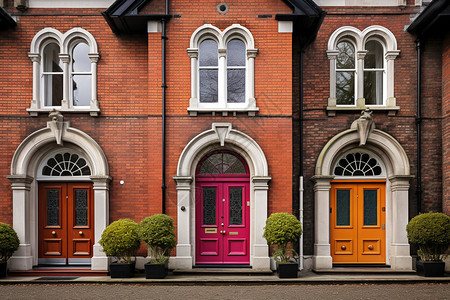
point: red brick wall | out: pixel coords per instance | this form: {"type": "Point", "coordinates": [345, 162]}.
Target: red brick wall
{"type": "Point", "coordinates": [446, 125]}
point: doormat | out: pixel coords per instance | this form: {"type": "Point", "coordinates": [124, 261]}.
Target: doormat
{"type": "Point", "coordinates": [57, 278]}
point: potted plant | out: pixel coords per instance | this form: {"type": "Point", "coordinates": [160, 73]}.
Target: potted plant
{"type": "Point", "coordinates": [120, 240]}
{"type": "Point", "coordinates": [283, 230]}
{"type": "Point", "coordinates": [157, 232]}
{"type": "Point", "coordinates": [431, 232]}
{"type": "Point", "coordinates": [9, 242]}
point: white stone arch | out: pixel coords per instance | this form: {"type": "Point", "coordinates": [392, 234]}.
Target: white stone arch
{"type": "Point", "coordinates": [24, 166]}
{"type": "Point", "coordinates": [396, 162]}
{"type": "Point", "coordinates": [221, 136]}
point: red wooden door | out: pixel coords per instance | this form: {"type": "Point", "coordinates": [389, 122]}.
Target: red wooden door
{"type": "Point", "coordinates": [65, 223]}
{"type": "Point", "coordinates": [222, 223]}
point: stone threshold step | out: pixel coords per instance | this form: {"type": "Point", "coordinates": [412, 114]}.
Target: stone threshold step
{"type": "Point", "coordinates": [363, 271]}
{"type": "Point", "coordinates": [222, 271]}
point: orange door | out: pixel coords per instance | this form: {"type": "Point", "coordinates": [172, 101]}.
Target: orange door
{"type": "Point", "coordinates": [357, 223]}
{"type": "Point", "coordinates": [65, 223]}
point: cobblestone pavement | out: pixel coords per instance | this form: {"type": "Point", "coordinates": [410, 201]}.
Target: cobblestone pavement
{"type": "Point", "coordinates": [142, 291]}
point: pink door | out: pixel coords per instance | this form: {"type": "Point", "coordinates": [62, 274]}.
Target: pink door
{"type": "Point", "coordinates": [222, 216]}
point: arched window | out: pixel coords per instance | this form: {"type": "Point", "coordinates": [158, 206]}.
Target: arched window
{"type": "Point", "coordinates": [66, 164]}
{"type": "Point", "coordinates": [357, 164]}
{"type": "Point", "coordinates": [362, 69]}
{"type": "Point", "coordinates": [222, 163]}
{"type": "Point", "coordinates": [64, 71]}
{"type": "Point", "coordinates": [222, 70]}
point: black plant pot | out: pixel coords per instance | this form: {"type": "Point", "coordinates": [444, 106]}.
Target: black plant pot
{"type": "Point", "coordinates": [155, 271]}
{"type": "Point", "coordinates": [3, 269]}
{"type": "Point", "coordinates": [289, 270]}
{"type": "Point", "coordinates": [122, 270]}
{"type": "Point", "coordinates": [430, 268]}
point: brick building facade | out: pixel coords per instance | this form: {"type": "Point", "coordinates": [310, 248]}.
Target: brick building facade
{"type": "Point", "coordinates": [275, 97]}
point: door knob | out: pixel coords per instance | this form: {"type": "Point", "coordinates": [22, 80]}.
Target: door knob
{"type": "Point", "coordinates": [53, 232]}
{"type": "Point", "coordinates": [343, 247]}
{"type": "Point", "coordinates": [222, 231]}
{"type": "Point", "coordinates": [370, 247]}
{"type": "Point", "coordinates": [80, 232]}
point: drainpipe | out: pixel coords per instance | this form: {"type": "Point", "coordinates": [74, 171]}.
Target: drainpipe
{"type": "Point", "coordinates": [164, 87]}
{"type": "Point", "coordinates": [300, 214]}
{"type": "Point", "coordinates": [419, 128]}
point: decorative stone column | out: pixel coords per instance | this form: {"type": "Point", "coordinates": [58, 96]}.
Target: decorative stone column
{"type": "Point", "coordinates": [260, 258]}
{"type": "Point", "coordinates": [100, 261]}
{"type": "Point", "coordinates": [360, 101]}
{"type": "Point", "coordinates": [399, 249]}
{"type": "Point", "coordinates": [23, 257]}
{"type": "Point", "coordinates": [94, 57]}
{"type": "Point", "coordinates": [36, 59]}
{"type": "Point", "coordinates": [322, 258]}
{"type": "Point", "coordinates": [193, 102]}
{"type": "Point", "coordinates": [332, 55]}
{"type": "Point", "coordinates": [184, 258]}
{"type": "Point", "coordinates": [222, 77]}
{"type": "Point", "coordinates": [250, 84]}
{"type": "Point", "coordinates": [65, 58]}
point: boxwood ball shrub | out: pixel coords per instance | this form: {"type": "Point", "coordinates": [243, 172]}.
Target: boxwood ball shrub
{"type": "Point", "coordinates": [9, 242]}
{"type": "Point", "coordinates": [431, 232]}
{"type": "Point", "coordinates": [120, 239]}
{"type": "Point", "coordinates": [158, 233]}
{"type": "Point", "coordinates": [283, 230]}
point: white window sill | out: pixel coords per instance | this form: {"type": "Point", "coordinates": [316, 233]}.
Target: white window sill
{"type": "Point", "coordinates": [392, 110]}
{"type": "Point", "coordinates": [193, 111]}
{"type": "Point", "coordinates": [34, 112]}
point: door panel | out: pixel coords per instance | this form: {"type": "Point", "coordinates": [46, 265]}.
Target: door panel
{"type": "Point", "coordinates": [65, 222]}
{"type": "Point", "coordinates": [222, 223]}
{"type": "Point", "coordinates": [357, 216]}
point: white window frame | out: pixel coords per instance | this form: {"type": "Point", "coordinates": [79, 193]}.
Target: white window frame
{"type": "Point", "coordinates": [66, 43]}
{"type": "Point", "coordinates": [222, 38]}
{"type": "Point", "coordinates": [359, 40]}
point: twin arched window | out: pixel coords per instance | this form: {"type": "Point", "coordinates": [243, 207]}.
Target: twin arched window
{"type": "Point", "coordinates": [64, 71]}
{"type": "Point", "coordinates": [362, 68]}
{"type": "Point", "coordinates": [222, 70]}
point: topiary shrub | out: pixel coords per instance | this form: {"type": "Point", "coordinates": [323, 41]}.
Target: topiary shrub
{"type": "Point", "coordinates": [9, 242]}
{"type": "Point", "coordinates": [431, 232]}
{"type": "Point", "coordinates": [120, 239]}
{"type": "Point", "coordinates": [158, 233]}
{"type": "Point", "coordinates": [283, 230]}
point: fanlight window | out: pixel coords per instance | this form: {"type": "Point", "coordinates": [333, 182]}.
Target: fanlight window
{"type": "Point", "coordinates": [357, 164]}
{"type": "Point", "coordinates": [222, 163]}
{"type": "Point", "coordinates": [66, 164]}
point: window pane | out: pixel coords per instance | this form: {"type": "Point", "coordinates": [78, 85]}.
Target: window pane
{"type": "Point", "coordinates": [80, 58]}
{"type": "Point", "coordinates": [208, 86]}
{"type": "Point", "coordinates": [345, 88]}
{"type": "Point", "coordinates": [346, 56]}
{"type": "Point", "coordinates": [81, 208]}
{"type": "Point", "coordinates": [370, 207]}
{"type": "Point", "coordinates": [209, 206]}
{"type": "Point", "coordinates": [52, 207]}
{"type": "Point", "coordinates": [235, 206]}
{"type": "Point", "coordinates": [236, 53]}
{"type": "Point", "coordinates": [236, 86]}
{"type": "Point", "coordinates": [373, 87]}
{"type": "Point", "coordinates": [343, 208]}
{"type": "Point", "coordinates": [374, 55]}
{"type": "Point", "coordinates": [208, 53]}
{"type": "Point", "coordinates": [82, 93]}
{"type": "Point", "coordinates": [53, 89]}
{"type": "Point", "coordinates": [52, 63]}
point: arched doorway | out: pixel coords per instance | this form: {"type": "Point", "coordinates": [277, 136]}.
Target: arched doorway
{"type": "Point", "coordinates": [222, 209]}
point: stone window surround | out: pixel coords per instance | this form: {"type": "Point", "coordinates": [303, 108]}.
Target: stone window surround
{"type": "Point", "coordinates": [359, 39]}
{"type": "Point", "coordinates": [222, 38]}
{"type": "Point", "coordinates": [66, 42]}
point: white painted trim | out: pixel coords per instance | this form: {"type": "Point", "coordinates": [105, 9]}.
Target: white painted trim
{"type": "Point", "coordinates": [396, 162]}
{"type": "Point", "coordinates": [360, 2]}
{"type": "Point", "coordinates": [70, 3]}
{"type": "Point", "coordinates": [195, 150]}
{"type": "Point", "coordinates": [24, 167]}
{"type": "Point", "coordinates": [285, 26]}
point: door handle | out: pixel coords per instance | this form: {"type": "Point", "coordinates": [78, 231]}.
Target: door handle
{"type": "Point", "coordinates": [80, 232]}
{"type": "Point", "coordinates": [223, 232]}
{"type": "Point", "coordinates": [53, 232]}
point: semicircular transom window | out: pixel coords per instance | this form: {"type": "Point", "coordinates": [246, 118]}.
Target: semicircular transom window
{"type": "Point", "coordinates": [66, 164]}
{"type": "Point", "coordinates": [223, 163]}
{"type": "Point", "coordinates": [358, 164]}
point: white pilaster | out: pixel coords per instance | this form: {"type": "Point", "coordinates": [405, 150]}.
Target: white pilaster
{"type": "Point", "coordinates": [65, 58]}
{"type": "Point", "coordinates": [184, 258]}
{"type": "Point", "coordinates": [322, 258]}
{"type": "Point", "coordinates": [23, 257]}
{"type": "Point", "coordinates": [222, 78]}
{"type": "Point", "coordinates": [260, 258]}
{"type": "Point", "coordinates": [99, 260]}
{"type": "Point", "coordinates": [36, 59]}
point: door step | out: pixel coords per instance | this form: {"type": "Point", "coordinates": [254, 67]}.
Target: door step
{"type": "Point", "coordinates": [59, 271]}
{"type": "Point", "coordinates": [362, 271]}
{"type": "Point", "coordinates": [222, 271]}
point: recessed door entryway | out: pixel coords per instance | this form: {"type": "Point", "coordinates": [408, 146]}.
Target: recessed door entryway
{"type": "Point", "coordinates": [222, 210]}
{"type": "Point", "coordinates": [66, 222]}
{"type": "Point", "coordinates": [357, 223]}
